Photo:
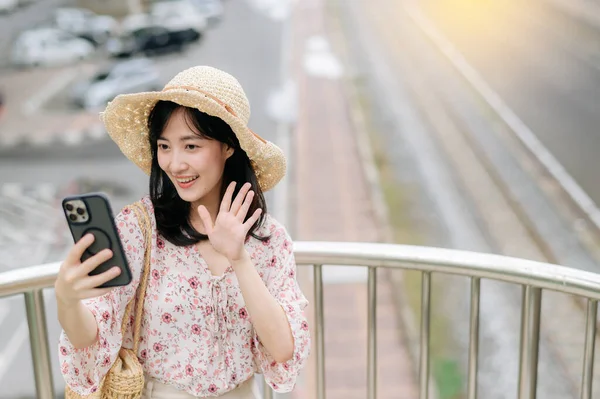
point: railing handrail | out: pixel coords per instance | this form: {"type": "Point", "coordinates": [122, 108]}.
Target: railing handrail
{"type": "Point", "coordinates": [533, 276]}
{"type": "Point", "coordinates": [438, 260]}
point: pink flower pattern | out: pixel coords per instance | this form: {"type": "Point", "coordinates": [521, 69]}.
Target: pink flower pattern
{"type": "Point", "coordinates": [196, 332]}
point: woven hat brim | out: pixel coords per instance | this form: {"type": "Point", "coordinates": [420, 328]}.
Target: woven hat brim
{"type": "Point", "coordinates": [126, 122]}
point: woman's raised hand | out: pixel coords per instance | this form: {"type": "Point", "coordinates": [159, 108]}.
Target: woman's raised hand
{"type": "Point", "coordinates": [228, 232]}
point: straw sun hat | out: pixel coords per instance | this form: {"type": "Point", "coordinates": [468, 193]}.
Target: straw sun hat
{"type": "Point", "coordinates": [207, 89]}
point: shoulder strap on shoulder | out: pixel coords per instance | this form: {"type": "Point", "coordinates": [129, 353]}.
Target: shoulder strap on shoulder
{"type": "Point", "coordinates": [141, 213]}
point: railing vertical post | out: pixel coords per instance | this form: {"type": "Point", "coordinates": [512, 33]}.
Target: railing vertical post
{"type": "Point", "coordinates": [523, 343]}
{"type": "Point", "coordinates": [474, 337]}
{"type": "Point", "coordinates": [530, 340]}
{"type": "Point", "coordinates": [372, 335]}
{"type": "Point", "coordinates": [536, 304]}
{"type": "Point", "coordinates": [320, 330]}
{"type": "Point", "coordinates": [425, 327]}
{"type": "Point", "coordinates": [38, 338]}
{"type": "Point", "coordinates": [588, 355]}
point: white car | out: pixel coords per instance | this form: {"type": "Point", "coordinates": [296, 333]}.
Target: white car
{"type": "Point", "coordinates": [48, 46]}
{"type": "Point", "coordinates": [178, 15]}
{"type": "Point", "coordinates": [85, 23]}
{"type": "Point", "coordinates": [135, 75]}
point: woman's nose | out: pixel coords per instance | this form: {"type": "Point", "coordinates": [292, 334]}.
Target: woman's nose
{"type": "Point", "coordinates": [178, 163]}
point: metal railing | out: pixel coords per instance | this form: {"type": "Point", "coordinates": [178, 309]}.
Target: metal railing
{"type": "Point", "coordinates": [532, 276]}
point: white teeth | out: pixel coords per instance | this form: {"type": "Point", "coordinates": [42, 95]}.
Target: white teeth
{"type": "Point", "coordinates": [189, 179]}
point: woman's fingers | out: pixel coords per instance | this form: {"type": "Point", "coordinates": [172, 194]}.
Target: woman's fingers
{"type": "Point", "coordinates": [239, 199]}
{"type": "Point", "coordinates": [74, 256]}
{"type": "Point", "coordinates": [251, 220]}
{"type": "Point", "coordinates": [74, 282]}
{"type": "Point", "coordinates": [226, 202]}
{"type": "Point", "coordinates": [92, 282]}
{"type": "Point", "coordinates": [91, 263]}
{"type": "Point", "coordinates": [206, 220]}
{"type": "Point", "coordinates": [241, 215]}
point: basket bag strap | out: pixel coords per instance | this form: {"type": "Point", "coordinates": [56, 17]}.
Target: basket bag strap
{"type": "Point", "coordinates": [144, 220]}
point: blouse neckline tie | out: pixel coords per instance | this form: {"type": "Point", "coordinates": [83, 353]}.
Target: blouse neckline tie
{"type": "Point", "coordinates": [219, 299]}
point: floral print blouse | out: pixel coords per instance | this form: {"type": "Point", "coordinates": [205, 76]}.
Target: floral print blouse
{"type": "Point", "coordinates": [197, 335]}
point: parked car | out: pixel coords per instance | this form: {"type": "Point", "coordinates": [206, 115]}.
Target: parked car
{"type": "Point", "coordinates": [86, 24]}
{"type": "Point", "coordinates": [211, 10]}
{"type": "Point", "coordinates": [135, 75]}
{"type": "Point", "coordinates": [178, 16]}
{"type": "Point", "coordinates": [149, 41]}
{"type": "Point", "coordinates": [133, 22]}
{"type": "Point", "coordinates": [49, 46]}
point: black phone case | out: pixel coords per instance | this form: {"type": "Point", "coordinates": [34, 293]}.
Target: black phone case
{"type": "Point", "coordinates": [101, 224]}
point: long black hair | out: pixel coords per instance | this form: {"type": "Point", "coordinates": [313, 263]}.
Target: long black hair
{"type": "Point", "coordinates": [173, 213]}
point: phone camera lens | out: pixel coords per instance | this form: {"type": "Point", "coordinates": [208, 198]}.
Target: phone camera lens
{"type": "Point", "coordinates": [80, 211]}
{"type": "Point", "coordinates": [73, 217]}
{"type": "Point", "coordinates": [69, 207]}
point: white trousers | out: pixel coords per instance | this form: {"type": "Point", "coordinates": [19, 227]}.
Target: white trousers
{"type": "Point", "coordinates": [157, 390]}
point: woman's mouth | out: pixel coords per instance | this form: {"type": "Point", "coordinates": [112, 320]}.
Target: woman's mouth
{"type": "Point", "coordinates": [186, 182]}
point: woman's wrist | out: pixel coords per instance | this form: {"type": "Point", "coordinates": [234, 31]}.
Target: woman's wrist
{"type": "Point", "coordinates": [67, 304]}
{"type": "Point", "coordinates": [240, 259]}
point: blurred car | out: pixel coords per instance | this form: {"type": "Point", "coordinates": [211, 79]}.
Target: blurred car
{"type": "Point", "coordinates": [178, 16]}
{"type": "Point", "coordinates": [49, 46]}
{"type": "Point", "coordinates": [135, 75]}
{"type": "Point", "coordinates": [211, 10]}
{"type": "Point", "coordinates": [149, 41]}
{"type": "Point", "coordinates": [85, 23]}
{"type": "Point", "coordinates": [7, 6]}
{"type": "Point", "coordinates": [133, 22]}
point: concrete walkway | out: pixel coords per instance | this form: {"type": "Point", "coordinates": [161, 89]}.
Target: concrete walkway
{"type": "Point", "coordinates": [332, 202]}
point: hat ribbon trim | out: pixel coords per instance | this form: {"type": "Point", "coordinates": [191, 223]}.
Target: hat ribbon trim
{"type": "Point", "coordinates": [215, 99]}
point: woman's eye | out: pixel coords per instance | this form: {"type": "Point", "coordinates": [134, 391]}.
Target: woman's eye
{"type": "Point", "coordinates": [191, 147]}
{"type": "Point", "coordinates": [163, 146]}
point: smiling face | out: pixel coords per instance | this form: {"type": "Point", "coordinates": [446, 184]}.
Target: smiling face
{"type": "Point", "coordinates": [194, 157]}
{"type": "Point", "coordinates": [193, 163]}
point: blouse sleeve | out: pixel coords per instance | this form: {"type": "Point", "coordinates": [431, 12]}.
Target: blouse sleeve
{"type": "Point", "coordinates": [83, 369]}
{"type": "Point", "coordinates": [281, 283]}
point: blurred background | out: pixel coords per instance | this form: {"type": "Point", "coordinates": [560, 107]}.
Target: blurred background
{"type": "Point", "coordinates": [481, 118]}
{"type": "Point", "coordinates": [60, 62]}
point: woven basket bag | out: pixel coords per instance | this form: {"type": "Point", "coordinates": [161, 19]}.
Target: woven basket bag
{"type": "Point", "coordinates": [125, 379]}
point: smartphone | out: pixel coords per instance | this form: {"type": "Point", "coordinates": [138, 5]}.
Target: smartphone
{"type": "Point", "coordinates": [91, 213]}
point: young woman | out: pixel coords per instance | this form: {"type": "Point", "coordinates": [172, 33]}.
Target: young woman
{"type": "Point", "coordinates": [222, 301]}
